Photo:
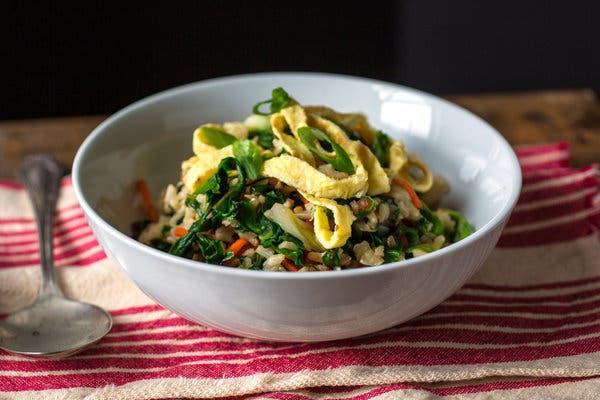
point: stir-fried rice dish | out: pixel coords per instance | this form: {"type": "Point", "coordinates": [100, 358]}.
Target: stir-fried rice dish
{"type": "Point", "coordinates": [300, 188]}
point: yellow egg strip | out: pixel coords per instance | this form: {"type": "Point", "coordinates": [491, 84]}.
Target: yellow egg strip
{"type": "Point", "coordinates": [355, 121]}
{"type": "Point", "coordinates": [292, 117]}
{"type": "Point", "coordinates": [301, 175]}
{"type": "Point", "coordinates": [378, 181]}
{"type": "Point", "coordinates": [197, 169]}
{"type": "Point", "coordinates": [425, 181]}
{"type": "Point", "coordinates": [401, 160]}
{"type": "Point", "coordinates": [297, 169]}
{"type": "Point", "coordinates": [342, 216]}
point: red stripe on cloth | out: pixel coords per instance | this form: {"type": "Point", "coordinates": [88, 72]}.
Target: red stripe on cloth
{"type": "Point", "coordinates": [24, 247]}
{"type": "Point", "coordinates": [277, 395]}
{"type": "Point", "coordinates": [153, 324]}
{"type": "Point", "coordinates": [16, 220]}
{"type": "Point", "coordinates": [27, 224]}
{"type": "Point", "coordinates": [84, 261]}
{"type": "Point", "coordinates": [549, 198]}
{"type": "Point", "coordinates": [325, 361]}
{"type": "Point", "coordinates": [76, 261]}
{"type": "Point", "coordinates": [182, 329]}
{"type": "Point", "coordinates": [244, 352]}
{"type": "Point", "coordinates": [12, 185]}
{"type": "Point", "coordinates": [548, 189]}
{"type": "Point", "coordinates": [546, 212]}
{"type": "Point", "coordinates": [492, 320]}
{"type": "Point", "coordinates": [61, 258]}
{"type": "Point", "coordinates": [542, 286]}
{"type": "Point", "coordinates": [200, 340]}
{"type": "Point", "coordinates": [60, 247]}
{"type": "Point", "coordinates": [546, 165]}
{"type": "Point", "coordinates": [555, 234]}
{"type": "Point", "coordinates": [62, 238]}
{"type": "Point", "coordinates": [448, 307]}
{"type": "Point", "coordinates": [557, 157]}
{"type": "Point", "coordinates": [595, 217]}
{"type": "Point", "coordinates": [73, 233]}
{"type": "Point", "coordinates": [563, 298]}
{"type": "Point", "coordinates": [31, 220]}
{"type": "Point", "coordinates": [497, 305]}
{"type": "Point", "coordinates": [15, 185]}
{"type": "Point", "coordinates": [529, 150]}
{"type": "Point", "coordinates": [59, 226]}
{"type": "Point", "coordinates": [58, 231]}
{"type": "Point", "coordinates": [136, 310]}
{"type": "Point", "coordinates": [566, 174]}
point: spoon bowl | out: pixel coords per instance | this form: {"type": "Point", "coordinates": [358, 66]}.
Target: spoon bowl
{"type": "Point", "coordinates": [53, 326]}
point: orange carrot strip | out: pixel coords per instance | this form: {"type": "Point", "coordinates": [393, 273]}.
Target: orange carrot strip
{"type": "Point", "coordinates": [179, 231]}
{"type": "Point", "coordinates": [142, 188]}
{"type": "Point", "coordinates": [289, 265]}
{"type": "Point", "coordinates": [413, 196]}
{"type": "Point", "coordinates": [238, 246]}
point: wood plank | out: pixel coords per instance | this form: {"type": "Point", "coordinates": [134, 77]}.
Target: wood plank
{"type": "Point", "coordinates": [60, 137]}
{"type": "Point", "coordinates": [523, 118]}
{"type": "Point", "coordinates": [540, 117]}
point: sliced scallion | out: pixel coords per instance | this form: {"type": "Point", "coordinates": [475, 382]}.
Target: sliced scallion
{"type": "Point", "coordinates": [216, 137]}
{"type": "Point", "coordinates": [279, 99]}
{"type": "Point", "coordinates": [340, 160]}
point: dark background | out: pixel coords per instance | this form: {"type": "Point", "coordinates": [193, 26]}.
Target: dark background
{"type": "Point", "coordinates": [97, 58]}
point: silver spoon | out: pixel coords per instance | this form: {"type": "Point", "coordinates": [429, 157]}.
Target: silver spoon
{"type": "Point", "coordinates": [53, 326]}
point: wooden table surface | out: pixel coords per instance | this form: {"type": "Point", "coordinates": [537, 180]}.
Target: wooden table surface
{"type": "Point", "coordinates": [523, 118]}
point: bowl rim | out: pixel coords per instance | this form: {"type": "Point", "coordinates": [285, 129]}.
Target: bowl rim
{"type": "Point", "coordinates": [87, 144]}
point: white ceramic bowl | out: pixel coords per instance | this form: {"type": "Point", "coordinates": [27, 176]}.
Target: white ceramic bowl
{"type": "Point", "coordinates": [150, 138]}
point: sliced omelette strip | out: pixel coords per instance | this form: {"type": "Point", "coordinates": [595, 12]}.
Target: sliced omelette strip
{"type": "Point", "coordinates": [377, 179]}
{"type": "Point", "coordinates": [342, 220]}
{"type": "Point", "coordinates": [301, 175]}
{"type": "Point", "coordinates": [284, 125]}
{"type": "Point", "coordinates": [211, 143]}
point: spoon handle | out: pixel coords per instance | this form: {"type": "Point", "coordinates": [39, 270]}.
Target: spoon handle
{"type": "Point", "coordinates": [42, 175]}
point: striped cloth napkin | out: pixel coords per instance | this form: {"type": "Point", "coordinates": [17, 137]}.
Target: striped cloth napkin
{"type": "Point", "coordinates": [526, 326]}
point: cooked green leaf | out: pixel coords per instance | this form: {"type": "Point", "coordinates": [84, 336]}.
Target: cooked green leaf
{"type": "Point", "coordinates": [268, 231]}
{"type": "Point", "coordinates": [463, 227]}
{"type": "Point", "coordinates": [212, 250]}
{"type": "Point", "coordinates": [297, 256]}
{"type": "Point", "coordinates": [264, 138]}
{"type": "Point", "coordinates": [381, 148]}
{"type": "Point", "coordinates": [437, 228]}
{"type": "Point", "coordinates": [184, 244]}
{"type": "Point", "coordinates": [331, 258]}
{"type": "Point", "coordinates": [392, 255]}
{"type": "Point", "coordinates": [248, 155]}
{"type": "Point", "coordinates": [411, 234]}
